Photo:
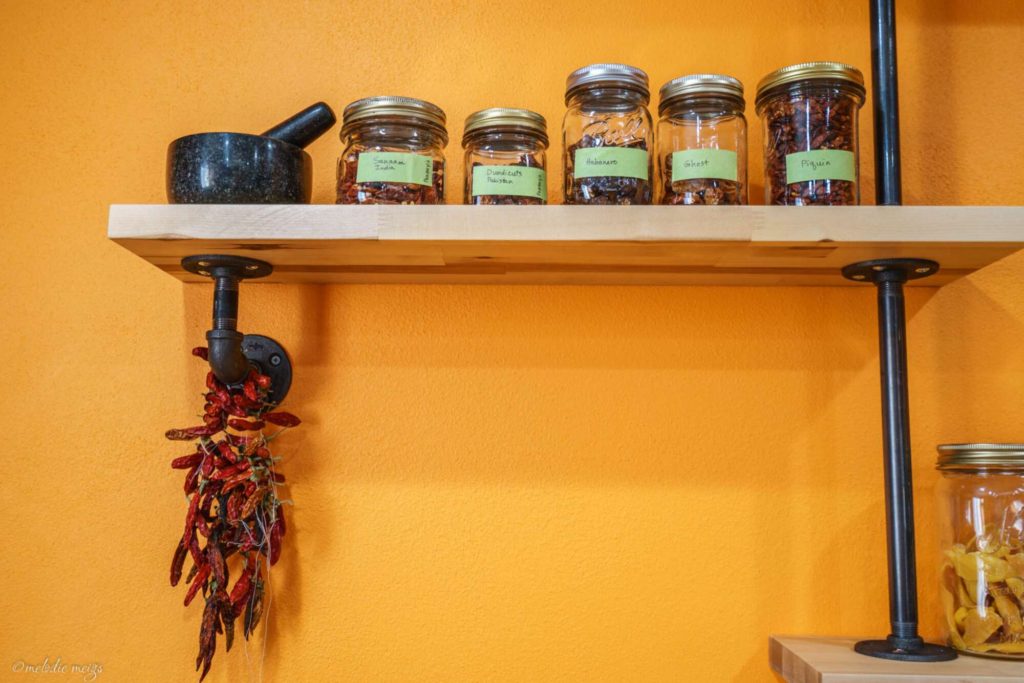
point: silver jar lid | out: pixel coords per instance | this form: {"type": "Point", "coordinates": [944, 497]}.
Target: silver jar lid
{"type": "Point", "coordinates": [506, 119]}
{"type": "Point", "coordinates": [607, 75]}
{"type": "Point", "coordinates": [697, 85]}
{"type": "Point", "coordinates": [418, 111]}
{"type": "Point", "coordinates": [972, 456]}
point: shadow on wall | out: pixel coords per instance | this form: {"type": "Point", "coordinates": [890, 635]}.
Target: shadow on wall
{"type": "Point", "coordinates": [540, 384]}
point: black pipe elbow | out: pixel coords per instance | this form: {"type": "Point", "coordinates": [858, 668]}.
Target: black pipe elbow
{"type": "Point", "coordinates": [227, 361]}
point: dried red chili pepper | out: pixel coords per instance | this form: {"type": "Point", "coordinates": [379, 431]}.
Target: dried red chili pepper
{"type": "Point", "coordinates": [227, 617]}
{"type": "Point", "coordinates": [241, 588]}
{"type": "Point", "coordinates": [190, 433]}
{"type": "Point", "coordinates": [207, 639]}
{"type": "Point", "coordinates": [245, 425]}
{"type": "Point", "coordinates": [282, 419]}
{"type": "Point", "coordinates": [201, 352]}
{"type": "Point", "coordinates": [197, 583]}
{"type": "Point", "coordinates": [217, 563]}
{"type": "Point", "coordinates": [254, 499]}
{"type": "Point", "coordinates": [186, 461]}
{"type": "Point", "coordinates": [178, 561]}
{"type": "Point", "coordinates": [232, 471]}
{"type": "Point", "coordinates": [275, 543]}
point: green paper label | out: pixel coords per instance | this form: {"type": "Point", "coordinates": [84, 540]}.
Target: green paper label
{"type": "Point", "coordinates": [821, 164]}
{"type": "Point", "coordinates": [704, 163]}
{"type": "Point", "coordinates": [615, 162]}
{"type": "Point", "coordinates": [520, 181]}
{"type": "Point", "coordinates": [394, 167]}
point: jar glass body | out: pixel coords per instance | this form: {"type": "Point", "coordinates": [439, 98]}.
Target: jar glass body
{"type": "Point", "coordinates": [811, 150]}
{"type": "Point", "coordinates": [391, 161]}
{"type": "Point", "coordinates": [702, 152]}
{"type": "Point", "coordinates": [505, 167]}
{"type": "Point", "coordinates": [982, 580]}
{"type": "Point", "coordinates": [607, 142]}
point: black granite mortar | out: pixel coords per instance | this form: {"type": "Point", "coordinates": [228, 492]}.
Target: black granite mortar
{"type": "Point", "coordinates": [238, 168]}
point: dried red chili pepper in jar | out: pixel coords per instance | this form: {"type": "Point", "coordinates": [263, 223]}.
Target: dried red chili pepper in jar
{"type": "Point", "coordinates": [702, 141]}
{"type": "Point", "coordinates": [394, 152]}
{"type": "Point", "coordinates": [506, 158]}
{"type": "Point", "coordinates": [811, 153]}
{"type": "Point", "coordinates": [607, 136]}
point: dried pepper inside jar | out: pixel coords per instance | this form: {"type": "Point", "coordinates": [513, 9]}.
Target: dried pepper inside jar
{"type": "Point", "coordinates": [607, 136]}
{"type": "Point", "coordinates": [394, 152]}
{"type": "Point", "coordinates": [702, 141]}
{"type": "Point", "coordinates": [982, 581]}
{"type": "Point", "coordinates": [506, 160]}
{"type": "Point", "coordinates": [811, 152]}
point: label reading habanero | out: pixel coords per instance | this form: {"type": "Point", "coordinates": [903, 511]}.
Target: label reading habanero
{"type": "Point", "coordinates": [519, 181]}
{"type": "Point", "coordinates": [704, 163]}
{"type": "Point", "coordinates": [821, 164]}
{"type": "Point", "coordinates": [616, 162]}
{"type": "Point", "coordinates": [394, 167]}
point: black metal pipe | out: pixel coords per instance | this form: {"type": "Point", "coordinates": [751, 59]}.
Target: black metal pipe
{"type": "Point", "coordinates": [227, 360]}
{"type": "Point", "coordinates": [903, 642]}
{"type": "Point", "coordinates": [886, 103]}
{"type": "Point", "coordinates": [899, 496]}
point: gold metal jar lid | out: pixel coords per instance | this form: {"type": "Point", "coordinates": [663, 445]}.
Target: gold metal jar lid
{"type": "Point", "coordinates": [506, 119]}
{"type": "Point", "coordinates": [609, 76]}
{"type": "Point", "coordinates": [973, 456]}
{"type": "Point", "coordinates": [813, 71]}
{"type": "Point", "coordinates": [418, 111]}
{"type": "Point", "coordinates": [698, 85]}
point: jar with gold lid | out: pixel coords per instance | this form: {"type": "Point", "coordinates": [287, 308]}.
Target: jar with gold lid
{"type": "Point", "coordinates": [809, 113]}
{"type": "Point", "coordinates": [702, 141]}
{"type": "Point", "coordinates": [394, 152]}
{"type": "Point", "coordinates": [981, 499]}
{"type": "Point", "coordinates": [506, 158]}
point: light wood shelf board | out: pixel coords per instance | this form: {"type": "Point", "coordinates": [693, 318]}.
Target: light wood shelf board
{"type": "Point", "coordinates": [653, 245]}
{"type": "Point", "coordinates": [833, 660]}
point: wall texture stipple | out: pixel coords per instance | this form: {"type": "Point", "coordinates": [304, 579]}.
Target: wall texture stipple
{"type": "Point", "coordinates": [492, 483]}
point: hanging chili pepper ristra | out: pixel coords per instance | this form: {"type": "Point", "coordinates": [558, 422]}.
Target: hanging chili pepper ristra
{"type": "Point", "coordinates": [235, 522]}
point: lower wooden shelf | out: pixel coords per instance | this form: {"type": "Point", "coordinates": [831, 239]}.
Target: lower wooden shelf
{"type": "Point", "coordinates": [832, 660]}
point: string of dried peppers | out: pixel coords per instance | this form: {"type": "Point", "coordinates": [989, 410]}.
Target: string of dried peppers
{"type": "Point", "coordinates": [231, 486]}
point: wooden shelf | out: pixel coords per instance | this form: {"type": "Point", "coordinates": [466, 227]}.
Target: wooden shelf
{"type": "Point", "coordinates": [649, 245]}
{"type": "Point", "coordinates": [832, 660]}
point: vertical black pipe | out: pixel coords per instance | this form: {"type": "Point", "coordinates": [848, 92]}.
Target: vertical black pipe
{"type": "Point", "coordinates": [225, 300]}
{"type": "Point", "coordinates": [899, 500]}
{"type": "Point", "coordinates": [885, 91]}
{"type": "Point", "coordinates": [903, 642]}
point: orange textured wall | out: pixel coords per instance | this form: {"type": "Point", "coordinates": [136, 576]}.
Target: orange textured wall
{"type": "Point", "coordinates": [493, 483]}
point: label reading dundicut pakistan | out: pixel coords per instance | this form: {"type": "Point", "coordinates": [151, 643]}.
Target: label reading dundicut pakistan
{"type": "Point", "coordinates": [820, 164]}
{"type": "Point", "coordinates": [704, 163]}
{"type": "Point", "coordinates": [519, 181]}
{"type": "Point", "coordinates": [394, 167]}
{"type": "Point", "coordinates": [616, 162]}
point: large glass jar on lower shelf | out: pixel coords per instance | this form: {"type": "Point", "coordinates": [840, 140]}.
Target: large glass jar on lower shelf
{"type": "Point", "coordinates": [394, 152]}
{"type": "Point", "coordinates": [982, 583]}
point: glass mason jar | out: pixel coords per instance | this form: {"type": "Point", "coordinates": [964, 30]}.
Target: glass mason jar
{"type": "Point", "coordinates": [506, 160]}
{"type": "Point", "coordinates": [607, 136]}
{"type": "Point", "coordinates": [702, 141]}
{"type": "Point", "coordinates": [811, 153]}
{"type": "Point", "coordinates": [982, 584]}
{"type": "Point", "coordinates": [394, 152]}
